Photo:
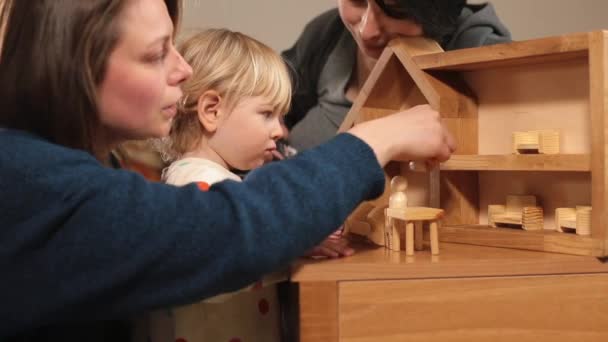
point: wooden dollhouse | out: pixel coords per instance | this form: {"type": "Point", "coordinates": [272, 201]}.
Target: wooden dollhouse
{"type": "Point", "coordinates": [487, 96]}
{"type": "Point", "coordinates": [473, 291]}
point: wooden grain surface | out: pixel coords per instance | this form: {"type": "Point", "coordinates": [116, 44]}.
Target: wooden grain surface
{"type": "Point", "coordinates": [550, 308]}
{"type": "Point", "coordinates": [455, 260]}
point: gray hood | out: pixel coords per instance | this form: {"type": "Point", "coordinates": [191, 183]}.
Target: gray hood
{"type": "Point", "coordinates": [478, 25]}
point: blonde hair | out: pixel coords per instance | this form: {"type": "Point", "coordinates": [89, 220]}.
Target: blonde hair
{"type": "Point", "coordinates": [236, 66]}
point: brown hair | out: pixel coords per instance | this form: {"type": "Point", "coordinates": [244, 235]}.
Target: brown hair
{"type": "Point", "coordinates": [438, 18]}
{"type": "Point", "coordinates": [53, 57]}
{"type": "Point", "coordinates": [236, 66]}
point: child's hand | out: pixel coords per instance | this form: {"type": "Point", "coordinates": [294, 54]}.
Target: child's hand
{"type": "Point", "coordinates": [335, 246]}
{"type": "Point", "coordinates": [283, 151]}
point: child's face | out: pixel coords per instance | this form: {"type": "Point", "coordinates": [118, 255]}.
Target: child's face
{"type": "Point", "coordinates": [246, 137]}
{"type": "Point", "coordinates": [371, 28]}
{"type": "Point", "coordinates": [141, 87]}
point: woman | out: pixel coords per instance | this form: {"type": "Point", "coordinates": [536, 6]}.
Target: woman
{"type": "Point", "coordinates": [337, 50]}
{"type": "Point", "coordinates": [83, 243]}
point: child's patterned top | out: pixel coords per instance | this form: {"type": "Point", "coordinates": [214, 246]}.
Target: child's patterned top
{"type": "Point", "coordinates": [250, 314]}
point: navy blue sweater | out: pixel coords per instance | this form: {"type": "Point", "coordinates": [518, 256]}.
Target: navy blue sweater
{"type": "Point", "coordinates": [80, 242]}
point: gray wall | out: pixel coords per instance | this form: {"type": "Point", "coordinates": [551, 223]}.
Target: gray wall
{"type": "Point", "coordinates": [279, 22]}
{"type": "Point", "coordinates": [540, 18]}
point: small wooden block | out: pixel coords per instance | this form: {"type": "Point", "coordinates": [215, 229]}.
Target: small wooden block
{"type": "Point", "coordinates": [577, 219]}
{"type": "Point", "coordinates": [583, 220]}
{"type": "Point", "coordinates": [541, 142]}
{"type": "Point", "coordinates": [519, 210]}
{"type": "Point", "coordinates": [532, 218]}
{"type": "Point", "coordinates": [565, 218]}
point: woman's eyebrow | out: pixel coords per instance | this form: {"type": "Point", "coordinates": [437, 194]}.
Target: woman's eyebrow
{"type": "Point", "coordinates": [162, 39]}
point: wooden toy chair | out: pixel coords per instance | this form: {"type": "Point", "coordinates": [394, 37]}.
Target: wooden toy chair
{"type": "Point", "coordinates": [414, 217]}
{"type": "Point", "coordinates": [519, 210]}
{"type": "Point", "coordinates": [577, 219]}
{"type": "Point", "coordinates": [541, 142]}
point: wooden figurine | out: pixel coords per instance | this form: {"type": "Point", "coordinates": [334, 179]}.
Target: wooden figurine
{"type": "Point", "coordinates": [413, 217]}
{"type": "Point", "coordinates": [397, 201]}
{"type": "Point", "coordinates": [540, 142]}
{"type": "Point", "coordinates": [577, 219]}
{"type": "Point", "coordinates": [398, 198]}
{"type": "Point", "coordinates": [519, 210]}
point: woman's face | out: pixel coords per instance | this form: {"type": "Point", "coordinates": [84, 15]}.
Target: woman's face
{"type": "Point", "coordinates": [138, 95]}
{"type": "Point", "coordinates": [372, 28]}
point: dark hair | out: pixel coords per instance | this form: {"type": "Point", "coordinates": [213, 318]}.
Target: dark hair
{"type": "Point", "coordinates": [438, 18]}
{"type": "Point", "coordinates": [53, 57]}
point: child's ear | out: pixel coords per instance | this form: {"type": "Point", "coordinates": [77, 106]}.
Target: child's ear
{"type": "Point", "coordinates": [209, 109]}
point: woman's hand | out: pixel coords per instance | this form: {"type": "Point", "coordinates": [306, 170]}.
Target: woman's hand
{"type": "Point", "coordinates": [413, 134]}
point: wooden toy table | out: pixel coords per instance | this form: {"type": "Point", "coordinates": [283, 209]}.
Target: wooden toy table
{"type": "Point", "coordinates": [468, 293]}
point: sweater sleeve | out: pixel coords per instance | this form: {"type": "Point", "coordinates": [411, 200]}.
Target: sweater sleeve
{"type": "Point", "coordinates": [80, 241]}
{"type": "Point", "coordinates": [306, 58]}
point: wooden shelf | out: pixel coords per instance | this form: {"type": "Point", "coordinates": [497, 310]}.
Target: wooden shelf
{"type": "Point", "coordinates": [525, 52]}
{"type": "Point", "coordinates": [519, 162]}
{"type": "Point", "coordinates": [545, 240]}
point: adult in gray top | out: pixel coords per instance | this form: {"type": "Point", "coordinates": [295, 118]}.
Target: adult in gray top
{"type": "Point", "coordinates": [337, 50]}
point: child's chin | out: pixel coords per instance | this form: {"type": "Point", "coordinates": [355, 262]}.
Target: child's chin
{"type": "Point", "coordinates": [249, 166]}
{"type": "Point", "coordinates": [256, 164]}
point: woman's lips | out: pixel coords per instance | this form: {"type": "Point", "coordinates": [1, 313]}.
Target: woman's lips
{"type": "Point", "coordinates": [170, 111]}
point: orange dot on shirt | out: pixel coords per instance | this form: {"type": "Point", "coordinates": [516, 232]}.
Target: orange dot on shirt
{"type": "Point", "coordinates": [257, 286]}
{"type": "Point", "coordinates": [263, 306]}
{"type": "Point", "coordinates": [181, 340]}
{"type": "Point", "coordinates": [202, 186]}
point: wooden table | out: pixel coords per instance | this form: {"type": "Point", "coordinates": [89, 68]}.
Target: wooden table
{"type": "Point", "coordinates": [467, 293]}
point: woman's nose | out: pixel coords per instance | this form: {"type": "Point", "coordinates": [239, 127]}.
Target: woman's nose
{"type": "Point", "coordinates": [369, 27]}
{"type": "Point", "coordinates": [182, 70]}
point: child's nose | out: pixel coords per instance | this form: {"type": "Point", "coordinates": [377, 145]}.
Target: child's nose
{"type": "Point", "coordinates": [277, 131]}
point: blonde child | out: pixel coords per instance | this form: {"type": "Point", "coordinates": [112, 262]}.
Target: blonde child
{"type": "Point", "coordinates": [229, 119]}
